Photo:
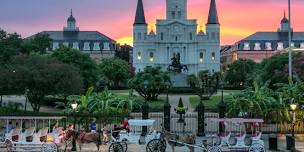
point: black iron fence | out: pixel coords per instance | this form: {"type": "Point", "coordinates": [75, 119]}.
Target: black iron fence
{"type": "Point", "coordinates": [190, 124]}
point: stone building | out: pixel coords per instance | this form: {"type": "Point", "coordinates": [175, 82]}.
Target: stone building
{"type": "Point", "coordinates": [177, 36]}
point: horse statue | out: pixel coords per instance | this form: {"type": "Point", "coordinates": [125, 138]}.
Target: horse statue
{"type": "Point", "coordinates": [176, 65]}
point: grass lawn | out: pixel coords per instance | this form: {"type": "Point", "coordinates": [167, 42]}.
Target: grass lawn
{"type": "Point", "coordinates": [155, 106]}
{"type": "Point", "coordinates": [210, 105]}
{"type": "Point", "coordinates": [231, 91]}
{"type": "Point", "coordinates": [120, 91]}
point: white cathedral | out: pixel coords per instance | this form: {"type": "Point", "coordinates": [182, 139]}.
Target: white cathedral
{"type": "Point", "coordinates": [177, 35]}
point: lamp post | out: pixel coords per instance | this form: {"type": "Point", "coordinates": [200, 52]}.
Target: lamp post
{"type": "Point", "coordinates": [289, 41]}
{"type": "Point", "coordinates": [145, 108]}
{"type": "Point", "coordinates": [201, 114]}
{"type": "Point", "coordinates": [222, 108]}
{"type": "Point", "coordinates": [290, 140]}
{"type": "Point", "coordinates": [167, 109]}
{"type": "Point", "coordinates": [293, 108]}
{"type": "Point", "coordinates": [74, 106]}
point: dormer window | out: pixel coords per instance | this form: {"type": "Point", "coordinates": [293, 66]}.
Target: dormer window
{"type": "Point", "coordinates": [257, 46]}
{"type": "Point", "coordinates": [246, 46]}
{"type": "Point", "coordinates": [55, 46]}
{"type": "Point", "coordinates": [65, 44]}
{"type": "Point", "coordinates": [86, 46]}
{"type": "Point", "coordinates": [268, 46]}
{"type": "Point", "coordinates": [106, 46]}
{"type": "Point", "coordinates": [76, 46]}
{"type": "Point", "coordinates": [280, 46]}
{"type": "Point", "coordinates": [96, 46]}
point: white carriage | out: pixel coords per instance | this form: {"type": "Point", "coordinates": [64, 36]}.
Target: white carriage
{"type": "Point", "coordinates": [152, 140]}
{"type": "Point", "coordinates": [31, 139]}
{"type": "Point", "coordinates": [257, 144]}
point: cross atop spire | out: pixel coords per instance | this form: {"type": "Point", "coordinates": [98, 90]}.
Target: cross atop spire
{"type": "Point", "coordinates": [140, 13]}
{"type": "Point", "coordinates": [213, 18]}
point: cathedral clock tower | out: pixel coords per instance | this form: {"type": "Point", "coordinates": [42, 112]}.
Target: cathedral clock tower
{"type": "Point", "coordinates": [176, 9]}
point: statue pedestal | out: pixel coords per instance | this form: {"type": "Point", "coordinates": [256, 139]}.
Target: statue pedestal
{"type": "Point", "coordinates": [179, 79]}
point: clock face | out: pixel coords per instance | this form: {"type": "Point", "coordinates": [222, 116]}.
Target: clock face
{"type": "Point", "coordinates": [176, 28]}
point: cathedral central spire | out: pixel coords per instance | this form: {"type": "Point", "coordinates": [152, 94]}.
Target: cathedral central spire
{"type": "Point", "coordinates": [213, 17]}
{"type": "Point", "coordinates": [140, 13]}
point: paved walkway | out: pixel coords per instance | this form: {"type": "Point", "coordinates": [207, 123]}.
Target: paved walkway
{"type": "Point", "coordinates": [141, 148]}
{"type": "Point", "coordinates": [21, 99]}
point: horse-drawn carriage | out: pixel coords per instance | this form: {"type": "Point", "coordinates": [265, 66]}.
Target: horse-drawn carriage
{"type": "Point", "coordinates": [152, 140]}
{"type": "Point", "coordinates": [222, 142]}
{"type": "Point", "coordinates": [32, 138]}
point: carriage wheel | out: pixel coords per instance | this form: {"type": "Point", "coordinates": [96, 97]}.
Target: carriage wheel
{"type": "Point", "coordinates": [163, 141]}
{"type": "Point", "coordinates": [124, 146]}
{"type": "Point", "coordinates": [257, 148]}
{"type": "Point", "coordinates": [116, 147]}
{"type": "Point", "coordinates": [8, 145]}
{"type": "Point", "coordinates": [2, 138]}
{"type": "Point", "coordinates": [214, 149]}
{"type": "Point", "coordinates": [155, 145]}
{"type": "Point", "coordinates": [49, 147]}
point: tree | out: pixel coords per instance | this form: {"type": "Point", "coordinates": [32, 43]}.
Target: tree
{"type": "Point", "coordinates": [87, 66]}
{"type": "Point", "coordinates": [272, 69]}
{"type": "Point", "coordinates": [239, 72]}
{"type": "Point", "coordinates": [40, 76]}
{"type": "Point", "coordinates": [150, 82]}
{"type": "Point", "coordinates": [10, 45]}
{"type": "Point", "coordinates": [117, 71]}
{"type": "Point", "coordinates": [205, 84]}
{"type": "Point", "coordinates": [39, 44]}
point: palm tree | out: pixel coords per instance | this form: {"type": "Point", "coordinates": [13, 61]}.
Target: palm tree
{"type": "Point", "coordinates": [254, 101]}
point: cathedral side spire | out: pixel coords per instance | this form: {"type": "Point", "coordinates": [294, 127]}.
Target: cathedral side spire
{"type": "Point", "coordinates": [213, 17]}
{"type": "Point", "coordinates": [140, 13]}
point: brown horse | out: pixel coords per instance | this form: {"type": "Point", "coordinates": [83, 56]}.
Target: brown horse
{"type": "Point", "coordinates": [176, 140]}
{"type": "Point", "coordinates": [91, 137]}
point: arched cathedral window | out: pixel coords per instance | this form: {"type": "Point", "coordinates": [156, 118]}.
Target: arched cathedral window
{"type": "Point", "coordinates": [201, 59]}
{"type": "Point", "coordinates": [138, 55]}
{"type": "Point", "coordinates": [161, 36]}
{"type": "Point", "coordinates": [212, 56]}
{"type": "Point", "coordinates": [151, 56]}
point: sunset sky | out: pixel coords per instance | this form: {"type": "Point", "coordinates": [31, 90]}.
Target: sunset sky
{"type": "Point", "coordinates": [114, 18]}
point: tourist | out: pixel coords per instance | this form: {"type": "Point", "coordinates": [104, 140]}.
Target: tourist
{"type": "Point", "coordinates": [125, 124]}
{"type": "Point", "coordinates": [93, 125]}
{"type": "Point", "coordinates": [9, 127]}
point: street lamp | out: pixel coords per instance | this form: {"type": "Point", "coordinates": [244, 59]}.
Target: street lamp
{"type": "Point", "coordinates": [293, 107]}
{"type": "Point", "coordinates": [74, 106]}
{"type": "Point", "coordinates": [222, 108]}
{"type": "Point", "coordinates": [167, 109]}
{"type": "Point", "coordinates": [145, 108]}
{"type": "Point", "coordinates": [201, 113]}
{"type": "Point", "coordinates": [289, 41]}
